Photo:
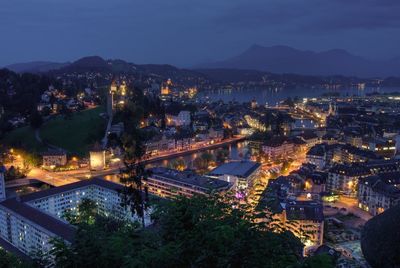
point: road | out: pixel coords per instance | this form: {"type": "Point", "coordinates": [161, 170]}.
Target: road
{"type": "Point", "coordinates": [350, 204]}
{"type": "Point", "coordinates": [50, 178]}
{"type": "Point", "coordinates": [66, 177]}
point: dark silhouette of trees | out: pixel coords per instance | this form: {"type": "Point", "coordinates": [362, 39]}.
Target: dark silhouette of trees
{"type": "Point", "coordinates": [36, 120]}
{"type": "Point", "coordinates": [380, 239]}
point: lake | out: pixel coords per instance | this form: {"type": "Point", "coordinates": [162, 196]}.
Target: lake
{"type": "Point", "coordinates": [273, 96]}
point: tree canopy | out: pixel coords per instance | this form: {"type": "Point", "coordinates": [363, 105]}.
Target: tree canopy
{"type": "Point", "coordinates": [198, 232]}
{"type": "Point", "coordinates": [380, 239]}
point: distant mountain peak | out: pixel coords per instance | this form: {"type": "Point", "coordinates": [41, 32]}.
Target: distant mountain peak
{"type": "Point", "coordinates": [90, 60]}
{"type": "Point", "coordinates": [286, 59]}
{"type": "Point", "coordinates": [89, 63]}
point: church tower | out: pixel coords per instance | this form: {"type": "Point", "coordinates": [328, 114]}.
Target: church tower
{"type": "Point", "coordinates": [332, 109]}
{"type": "Point", "coordinates": [110, 98]}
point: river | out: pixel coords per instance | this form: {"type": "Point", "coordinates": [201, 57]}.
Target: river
{"type": "Point", "coordinates": [237, 151]}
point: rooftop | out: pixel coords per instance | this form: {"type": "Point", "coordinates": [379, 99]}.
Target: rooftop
{"type": "Point", "coordinates": [384, 183]}
{"type": "Point", "coordinates": [241, 169]}
{"type": "Point", "coordinates": [188, 179]}
{"type": "Point", "coordinates": [350, 170]}
{"type": "Point", "coordinates": [72, 186]}
{"type": "Point", "coordinates": [304, 210]}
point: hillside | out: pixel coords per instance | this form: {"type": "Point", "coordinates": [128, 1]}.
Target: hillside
{"type": "Point", "coordinates": [35, 66]}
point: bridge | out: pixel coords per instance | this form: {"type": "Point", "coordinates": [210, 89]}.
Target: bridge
{"type": "Point", "coordinates": [21, 182]}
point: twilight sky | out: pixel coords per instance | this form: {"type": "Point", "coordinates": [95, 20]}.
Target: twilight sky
{"type": "Point", "coordinates": [186, 32]}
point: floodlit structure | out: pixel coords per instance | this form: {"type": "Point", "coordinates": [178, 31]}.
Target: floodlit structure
{"type": "Point", "coordinates": [241, 173]}
{"type": "Point", "coordinates": [97, 159]}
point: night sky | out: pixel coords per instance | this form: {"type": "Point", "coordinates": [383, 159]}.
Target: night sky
{"type": "Point", "coordinates": [186, 32]}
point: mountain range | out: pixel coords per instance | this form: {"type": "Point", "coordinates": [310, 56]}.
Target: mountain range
{"type": "Point", "coordinates": [255, 61]}
{"type": "Point", "coordinates": [35, 66]}
{"type": "Point", "coordinates": [284, 59]}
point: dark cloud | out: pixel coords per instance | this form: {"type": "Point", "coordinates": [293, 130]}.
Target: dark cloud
{"type": "Point", "coordinates": [313, 14]}
{"type": "Point", "coordinates": [189, 31]}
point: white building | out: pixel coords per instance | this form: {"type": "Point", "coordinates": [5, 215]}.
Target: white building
{"type": "Point", "coordinates": [182, 119]}
{"type": "Point", "coordinates": [240, 173]}
{"type": "Point", "coordinates": [28, 223]}
{"type": "Point", "coordinates": [317, 156]}
{"type": "Point", "coordinates": [278, 148]}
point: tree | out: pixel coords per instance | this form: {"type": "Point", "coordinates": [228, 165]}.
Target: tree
{"type": "Point", "coordinates": [204, 231]}
{"type": "Point", "coordinates": [135, 193]}
{"type": "Point", "coordinates": [178, 164]}
{"type": "Point", "coordinates": [85, 213]}
{"type": "Point", "coordinates": [222, 155]}
{"type": "Point", "coordinates": [379, 242]}
{"type": "Point", "coordinates": [318, 261]}
{"type": "Point", "coordinates": [202, 162]}
{"type": "Point", "coordinates": [8, 260]}
{"type": "Point", "coordinates": [36, 120]}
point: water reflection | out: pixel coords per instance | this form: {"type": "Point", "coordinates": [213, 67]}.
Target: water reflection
{"type": "Point", "coordinates": [237, 151]}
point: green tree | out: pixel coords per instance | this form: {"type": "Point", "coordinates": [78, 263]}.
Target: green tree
{"type": "Point", "coordinates": [198, 232]}
{"type": "Point", "coordinates": [8, 260]}
{"type": "Point", "coordinates": [36, 120]}
{"type": "Point", "coordinates": [85, 213]}
{"type": "Point", "coordinates": [178, 164]}
{"type": "Point", "coordinates": [222, 155]}
{"type": "Point", "coordinates": [318, 261]}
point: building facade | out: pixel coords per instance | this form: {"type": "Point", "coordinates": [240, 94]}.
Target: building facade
{"type": "Point", "coordinates": [54, 159]}
{"type": "Point", "coordinates": [344, 178]}
{"type": "Point", "coordinates": [241, 174]}
{"type": "Point", "coordinates": [170, 183]}
{"type": "Point", "coordinates": [28, 223]}
{"type": "Point", "coordinates": [378, 193]}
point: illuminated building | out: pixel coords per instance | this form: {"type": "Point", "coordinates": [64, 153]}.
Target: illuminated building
{"type": "Point", "coordinates": [183, 118]}
{"type": "Point", "coordinates": [384, 147]}
{"type": "Point", "coordinates": [110, 98]}
{"type": "Point", "coordinates": [317, 156]}
{"type": "Point", "coordinates": [378, 193]}
{"type": "Point", "coordinates": [97, 159]}
{"type": "Point", "coordinates": [191, 92]}
{"type": "Point", "coordinates": [170, 183]}
{"type": "Point", "coordinates": [117, 96]}
{"type": "Point", "coordinates": [278, 147]}
{"type": "Point", "coordinates": [344, 178]}
{"type": "Point", "coordinates": [305, 219]}
{"type": "Point", "coordinates": [30, 222]}
{"type": "Point", "coordinates": [54, 159]}
{"type": "Point", "coordinates": [241, 174]}
{"type": "Point", "coordinates": [165, 89]}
